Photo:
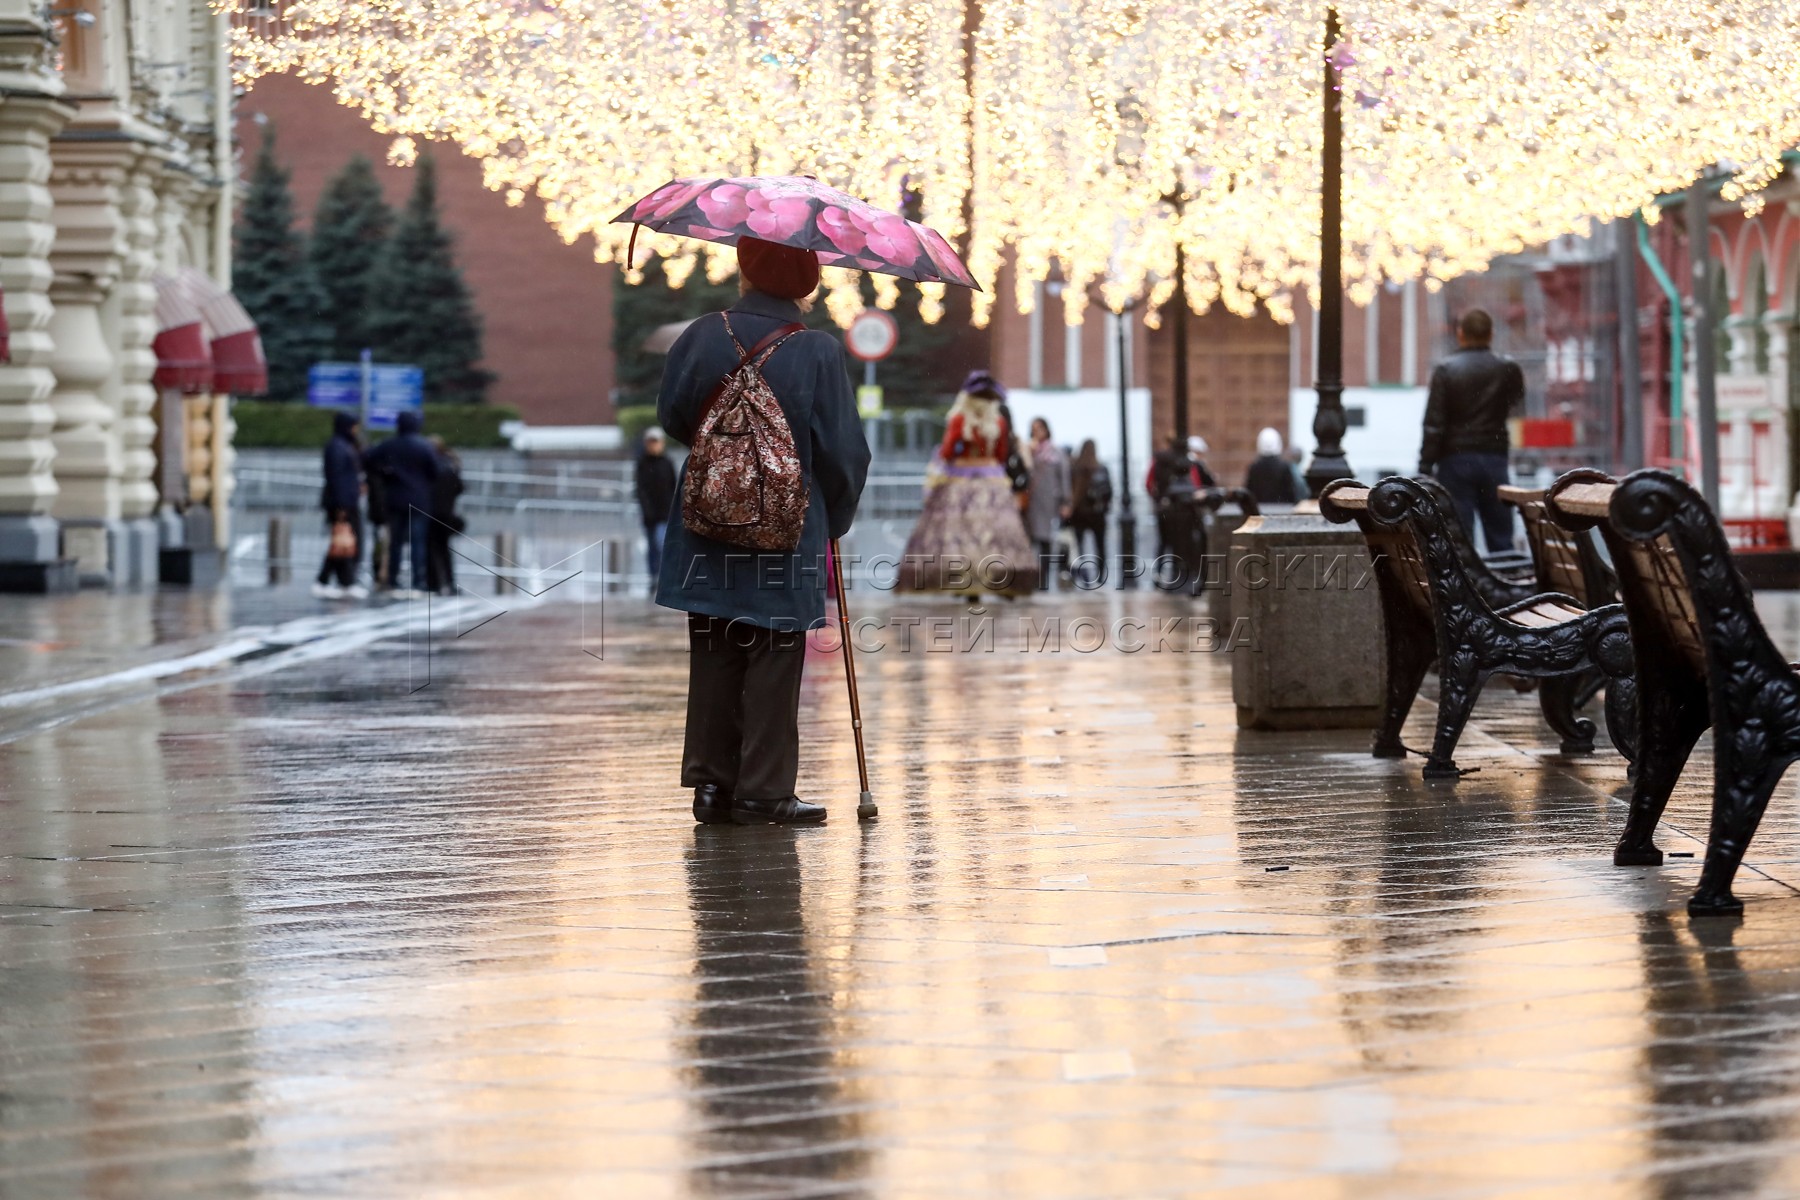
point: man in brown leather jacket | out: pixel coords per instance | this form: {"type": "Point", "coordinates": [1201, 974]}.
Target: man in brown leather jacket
{"type": "Point", "coordinates": [1473, 392]}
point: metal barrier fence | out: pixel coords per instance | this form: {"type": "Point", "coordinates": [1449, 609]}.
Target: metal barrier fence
{"type": "Point", "coordinates": [893, 492]}
{"type": "Point", "coordinates": [520, 522]}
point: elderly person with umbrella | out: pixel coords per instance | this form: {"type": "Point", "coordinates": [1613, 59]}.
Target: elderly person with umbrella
{"type": "Point", "coordinates": [748, 613]}
{"type": "Point", "coordinates": [749, 598]}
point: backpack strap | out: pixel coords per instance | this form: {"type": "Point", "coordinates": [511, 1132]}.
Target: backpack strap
{"type": "Point", "coordinates": [770, 344]}
{"type": "Point", "coordinates": [732, 334]}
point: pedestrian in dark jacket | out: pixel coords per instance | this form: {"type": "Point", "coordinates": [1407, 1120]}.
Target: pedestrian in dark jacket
{"type": "Point", "coordinates": [342, 501]}
{"type": "Point", "coordinates": [1177, 474]}
{"type": "Point", "coordinates": [446, 523]}
{"type": "Point", "coordinates": [408, 467]}
{"type": "Point", "coordinates": [1270, 479]}
{"type": "Point", "coordinates": [655, 481]}
{"type": "Point", "coordinates": [1473, 392]}
{"type": "Point", "coordinates": [748, 610]}
{"type": "Point", "coordinates": [1090, 488]}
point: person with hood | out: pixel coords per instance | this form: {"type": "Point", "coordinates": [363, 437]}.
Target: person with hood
{"type": "Point", "coordinates": [408, 467]}
{"type": "Point", "coordinates": [749, 610]}
{"type": "Point", "coordinates": [971, 538]}
{"type": "Point", "coordinates": [655, 480]}
{"type": "Point", "coordinates": [342, 501]}
{"type": "Point", "coordinates": [1270, 479]}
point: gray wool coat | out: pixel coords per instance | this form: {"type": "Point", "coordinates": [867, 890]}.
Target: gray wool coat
{"type": "Point", "coordinates": [1049, 495]}
{"type": "Point", "coordinates": [772, 590]}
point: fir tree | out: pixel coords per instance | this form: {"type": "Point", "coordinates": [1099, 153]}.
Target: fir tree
{"type": "Point", "coordinates": [639, 310]}
{"type": "Point", "coordinates": [275, 282]}
{"type": "Point", "coordinates": [420, 310]}
{"type": "Point", "coordinates": [350, 230]}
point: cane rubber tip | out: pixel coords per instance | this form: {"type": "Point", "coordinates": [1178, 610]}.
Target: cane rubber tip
{"type": "Point", "coordinates": [865, 809]}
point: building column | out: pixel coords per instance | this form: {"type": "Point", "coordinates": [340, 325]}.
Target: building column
{"type": "Point", "coordinates": [175, 186]}
{"type": "Point", "coordinates": [212, 471]}
{"type": "Point", "coordinates": [1784, 329]}
{"type": "Point", "coordinates": [30, 114]}
{"type": "Point", "coordinates": [87, 179]}
{"type": "Point", "coordinates": [1740, 359]}
{"type": "Point", "coordinates": [129, 318]}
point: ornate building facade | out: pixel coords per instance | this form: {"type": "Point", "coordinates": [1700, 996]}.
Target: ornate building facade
{"type": "Point", "coordinates": [115, 171]}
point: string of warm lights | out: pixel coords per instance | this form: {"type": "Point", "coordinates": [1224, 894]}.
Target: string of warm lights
{"type": "Point", "coordinates": [1086, 136]}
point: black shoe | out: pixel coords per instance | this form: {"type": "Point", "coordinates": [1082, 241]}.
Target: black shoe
{"type": "Point", "coordinates": [712, 805]}
{"type": "Point", "coordinates": [787, 811]}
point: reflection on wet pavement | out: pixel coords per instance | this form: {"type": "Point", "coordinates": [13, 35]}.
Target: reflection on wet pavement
{"type": "Point", "coordinates": [304, 933]}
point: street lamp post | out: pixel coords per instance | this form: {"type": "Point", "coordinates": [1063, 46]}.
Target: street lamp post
{"type": "Point", "coordinates": [1127, 518]}
{"type": "Point", "coordinates": [1314, 673]}
{"type": "Point", "coordinates": [1328, 461]}
{"type": "Point", "coordinates": [1179, 332]}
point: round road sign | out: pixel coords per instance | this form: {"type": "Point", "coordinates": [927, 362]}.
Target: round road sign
{"type": "Point", "coordinates": [872, 336]}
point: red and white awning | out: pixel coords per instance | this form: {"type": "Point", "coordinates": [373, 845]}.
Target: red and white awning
{"type": "Point", "coordinates": [183, 353]}
{"type": "Point", "coordinates": [197, 318]}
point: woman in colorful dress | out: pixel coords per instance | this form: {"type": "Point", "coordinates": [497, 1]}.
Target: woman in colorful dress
{"type": "Point", "coordinates": [970, 539]}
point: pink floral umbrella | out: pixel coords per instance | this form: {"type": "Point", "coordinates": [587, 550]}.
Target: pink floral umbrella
{"type": "Point", "coordinates": [802, 212]}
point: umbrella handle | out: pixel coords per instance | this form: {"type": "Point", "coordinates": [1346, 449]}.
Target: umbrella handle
{"type": "Point", "coordinates": [865, 809]}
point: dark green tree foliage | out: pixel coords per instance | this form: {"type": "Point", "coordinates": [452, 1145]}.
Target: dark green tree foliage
{"type": "Point", "coordinates": [639, 310]}
{"type": "Point", "coordinates": [420, 309]}
{"type": "Point", "coordinates": [350, 229]}
{"type": "Point", "coordinates": [923, 370]}
{"type": "Point", "coordinates": [275, 282]}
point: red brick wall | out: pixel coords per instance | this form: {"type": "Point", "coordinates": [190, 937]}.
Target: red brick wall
{"type": "Point", "coordinates": [546, 307]}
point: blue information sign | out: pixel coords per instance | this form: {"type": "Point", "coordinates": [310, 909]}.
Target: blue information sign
{"type": "Point", "coordinates": [394, 388]}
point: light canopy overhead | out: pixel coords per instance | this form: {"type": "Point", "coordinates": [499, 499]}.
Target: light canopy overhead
{"type": "Point", "coordinates": [1088, 136]}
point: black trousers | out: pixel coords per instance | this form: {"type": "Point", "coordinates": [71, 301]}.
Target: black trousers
{"type": "Point", "coordinates": [743, 715]}
{"type": "Point", "coordinates": [1093, 569]}
{"type": "Point", "coordinates": [1474, 482]}
{"type": "Point", "coordinates": [440, 561]}
{"type": "Point", "coordinates": [413, 532]}
{"type": "Point", "coordinates": [343, 570]}
{"type": "Point", "coordinates": [1048, 560]}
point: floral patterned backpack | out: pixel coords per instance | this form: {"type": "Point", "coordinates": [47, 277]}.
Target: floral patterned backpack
{"type": "Point", "coordinates": [744, 484]}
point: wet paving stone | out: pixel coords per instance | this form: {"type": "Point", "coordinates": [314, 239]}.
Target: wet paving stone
{"type": "Point", "coordinates": [316, 930]}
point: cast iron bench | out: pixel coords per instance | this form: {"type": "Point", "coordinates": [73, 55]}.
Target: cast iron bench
{"type": "Point", "coordinates": [1703, 658]}
{"type": "Point", "coordinates": [1566, 560]}
{"type": "Point", "coordinates": [1432, 612]}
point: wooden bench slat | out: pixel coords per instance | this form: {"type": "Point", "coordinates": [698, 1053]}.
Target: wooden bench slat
{"type": "Point", "coordinates": [1519, 495]}
{"type": "Point", "coordinates": [1544, 615]}
{"type": "Point", "coordinates": [1586, 499]}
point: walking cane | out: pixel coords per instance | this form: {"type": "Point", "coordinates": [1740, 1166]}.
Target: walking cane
{"type": "Point", "coordinates": [865, 808]}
